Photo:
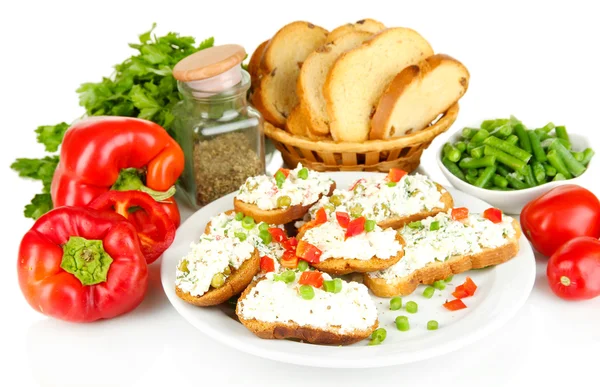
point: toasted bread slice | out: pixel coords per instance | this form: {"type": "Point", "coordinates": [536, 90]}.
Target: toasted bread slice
{"type": "Point", "coordinates": [280, 66]}
{"type": "Point", "coordinates": [342, 266]}
{"type": "Point", "coordinates": [254, 63]}
{"type": "Point", "coordinates": [439, 270]}
{"type": "Point", "coordinates": [359, 77]}
{"type": "Point", "coordinates": [313, 74]}
{"type": "Point", "coordinates": [417, 95]}
{"type": "Point", "coordinates": [368, 25]}
{"type": "Point", "coordinates": [234, 284]}
{"type": "Point", "coordinates": [277, 216]}
{"type": "Point", "coordinates": [400, 221]}
{"type": "Point", "coordinates": [298, 124]}
{"type": "Point", "coordinates": [333, 335]}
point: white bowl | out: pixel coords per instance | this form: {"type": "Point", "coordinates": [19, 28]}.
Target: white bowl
{"type": "Point", "coordinates": [512, 202]}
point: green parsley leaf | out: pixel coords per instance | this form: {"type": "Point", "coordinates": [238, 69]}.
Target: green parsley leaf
{"type": "Point", "coordinates": [40, 204]}
{"type": "Point", "coordinates": [37, 169]}
{"type": "Point", "coordinates": [51, 135]}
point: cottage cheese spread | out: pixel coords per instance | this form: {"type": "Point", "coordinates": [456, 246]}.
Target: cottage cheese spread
{"type": "Point", "coordinates": [264, 193]}
{"type": "Point", "coordinates": [453, 238]}
{"type": "Point", "coordinates": [275, 301]}
{"type": "Point", "coordinates": [379, 201]}
{"type": "Point", "coordinates": [329, 237]}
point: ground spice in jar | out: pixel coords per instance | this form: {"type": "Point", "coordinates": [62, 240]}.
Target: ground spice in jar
{"type": "Point", "coordinates": [222, 164]}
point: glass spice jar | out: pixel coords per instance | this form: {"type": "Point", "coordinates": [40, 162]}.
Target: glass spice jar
{"type": "Point", "coordinates": [220, 134]}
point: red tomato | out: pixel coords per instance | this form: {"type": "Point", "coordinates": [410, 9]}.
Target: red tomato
{"type": "Point", "coordinates": [356, 227]}
{"type": "Point", "coordinates": [460, 213]}
{"type": "Point", "coordinates": [277, 234]}
{"type": "Point", "coordinates": [343, 218]}
{"type": "Point", "coordinates": [560, 215]}
{"type": "Point", "coordinates": [267, 264]}
{"type": "Point", "coordinates": [455, 305]}
{"type": "Point", "coordinates": [285, 171]}
{"type": "Point", "coordinates": [493, 214]}
{"type": "Point", "coordinates": [313, 278]}
{"type": "Point", "coordinates": [289, 260]}
{"type": "Point", "coordinates": [396, 174]}
{"type": "Point", "coordinates": [320, 216]}
{"type": "Point", "coordinates": [308, 252]}
{"type": "Point", "coordinates": [290, 244]}
{"type": "Point", "coordinates": [574, 269]}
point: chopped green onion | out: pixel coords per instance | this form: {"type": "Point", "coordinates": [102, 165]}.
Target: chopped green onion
{"type": "Point", "coordinates": [302, 265]}
{"type": "Point", "coordinates": [449, 279]}
{"type": "Point", "coordinates": [239, 216]}
{"type": "Point", "coordinates": [288, 276]}
{"type": "Point", "coordinates": [374, 342]}
{"type": "Point", "coordinates": [241, 236]}
{"type": "Point", "coordinates": [395, 303]}
{"type": "Point", "coordinates": [402, 323]}
{"type": "Point", "coordinates": [415, 225]}
{"type": "Point", "coordinates": [439, 285]}
{"type": "Point", "coordinates": [307, 292]}
{"type": "Point", "coordinates": [248, 223]}
{"type": "Point", "coordinates": [412, 307]}
{"type": "Point", "coordinates": [332, 286]}
{"type": "Point", "coordinates": [391, 184]}
{"type": "Point", "coordinates": [370, 225]}
{"type": "Point", "coordinates": [434, 226]}
{"type": "Point", "coordinates": [428, 292]}
{"type": "Point", "coordinates": [303, 174]}
{"type": "Point", "coordinates": [379, 334]}
{"type": "Point", "coordinates": [279, 179]}
{"type": "Point", "coordinates": [432, 325]}
{"type": "Point", "coordinates": [263, 226]}
{"type": "Point", "coordinates": [265, 236]}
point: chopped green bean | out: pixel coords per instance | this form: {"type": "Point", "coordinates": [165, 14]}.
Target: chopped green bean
{"type": "Point", "coordinates": [529, 179]}
{"type": "Point", "coordinates": [502, 131]}
{"type": "Point", "coordinates": [302, 265]}
{"type": "Point", "coordinates": [379, 334]}
{"type": "Point", "coordinates": [486, 176]}
{"type": "Point", "coordinates": [536, 147]}
{"type": "Point", "coordinates": [428, 292]}
{"type": "Point", "coordinates": [493, 124]}
{"type": "Point", "coordinates": [501, 169]}
{"type": "Point", "coordinates": [461, 146]}
{"type": "Point", "coordinates": [402, 323]}
{"type": "Point", "coordinates": [546, 143]}
{"type": "Point", "coordinates": [468, 133]}
{"type": "Point", "coordinates": [550, 170]}
{"type": "Point", "coordinates": [412, 307]}
{"type": "Point", "coordinates": [541, 135]}
{"type": "Point", "coordinates": [470, 147]}
{"type": "Point", "coordinates": [395, 303]}
{"type": "Point", "coordinates": [471, 179]}
{"type": "Point", "coordinates": [510, 149]}
{"type": "Point", "coordinates": [578, 156]}
{"type": "Point", "coordinates": [524, 141]}
{"type": "Point", "coordinates": [496, 188]}
{"type": "Point", "coordinates": [415, 225]}
{"type": "Point", "coordinates": [434, 226]}
{"type": "Point", "coordinates": [432, 325]}
{"type": "Point", "coordinates": [469, 162]}
{"type": "Point", "coordinates": [513, 139]}
{"type": "Point", "coordinates": [559, 176]}
{"type": "Point", "coordinates": [561, 132]}
{"type": "Point", "coordinates": [538, 172]}
{"type": "Point", "coordinates": [557, 162]}
{"type": "Point", "coordinates": [449, 278]}
{"type": "Point", "coordinates": [472, 172]}
{"type": "Point", "coordinates": [503, 157]}
{"type": "Point", "coordinates": [453, 168]}
{"type": "Point", "coordinates": [574, 166]}
{"type": "Point", "coordinates": [439, 285]}
{"type": "Point", "coordinates": [547, 128]}
{"type": "Point", "coordinates": [477, 153]}
{"type": "Point", "coordinates": [239, 216]}
{"type": "Point", "coordinates": [451, 152]}
{"type": "Point", "coordinates": [481, 135]}
{"type": "Point", "coordinates": [587, 156]}
{"type": "Point", "coordinates": [500, 181]}
{"type": "Point", "coordinates": [514, 182]}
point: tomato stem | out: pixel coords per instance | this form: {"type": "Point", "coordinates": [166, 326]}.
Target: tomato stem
{"type": "Point", "coordinates": [566, 281]}
{"type": "Point", "coordinates": [86, 260]}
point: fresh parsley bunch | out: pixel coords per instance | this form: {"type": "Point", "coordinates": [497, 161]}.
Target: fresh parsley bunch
{"type": "Point", "coordinates": [142, 86]}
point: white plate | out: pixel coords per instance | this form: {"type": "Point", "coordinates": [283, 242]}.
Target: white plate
{"type": "Point", "coordinates": [502, 291]}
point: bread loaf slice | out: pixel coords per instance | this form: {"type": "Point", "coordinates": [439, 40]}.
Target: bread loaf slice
{"type": "Point", "coordinates": [254, 63]}
{"type": "Point", "coordinates": [367, 25]}
{"type": "Point", "coordinates": [280, 66]}
{"type": "Point", "coordinates": [417, 95]}
{"type": "Point", "coordinates": [437, 271]}
{"type": "Point", "coordinates": [359, 77]}
{"type": "Point", "coordinates": [313, 74]}
{"type": "Point", "coordinates": [298, 124]}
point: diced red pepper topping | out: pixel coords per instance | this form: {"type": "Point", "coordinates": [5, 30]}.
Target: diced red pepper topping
{"type": "Point", "coordinates": [493, 214]}
{"type": "Point", "coordinates": [355, 227]}
{"type": "Point", "coordinates": [469, 286]}
{"type": "Point", "coordinates": [320, 216]}
{"type": "Point", "coordinates": [290, 244]}
{"type": "Point", "coordinates": [285, 171]}
{"type": "Point", "coordinates": [277, 234]}
{"type": "Point", "coordinates": [267, 264]}
{"type": "Point", "coordinates": [459, 213]}
{"type": "Point", "coordinates": [455, 305]}
{"type": "Point", "coordinates": [313, 278]}
{"type": "Point", "coordinates": [395, 174]}
{"type": "Point", "coordinates": [289, 260]}
{"type": "Point", "coordinates": [308, 252]}
{"type": "Point", "coordinates": [460, 292]}
{"type": "Point", "coordinates": [343, 218]}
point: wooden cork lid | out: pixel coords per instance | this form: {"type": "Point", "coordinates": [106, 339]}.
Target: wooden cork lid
{"type": "Point", "coordinates": [209, 62]}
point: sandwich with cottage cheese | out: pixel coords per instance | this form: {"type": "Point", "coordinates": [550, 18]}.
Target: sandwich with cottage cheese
{"type": "Point", "coordinates": [225, 259]}
{"type": "Point", "coordinates": [342, 244]}
{"type": "Point", "coordinates": [445, 244]}
{"type": "Point", "coordinates": [392, 201]}
{"type": "Point", "coordinates": [309, 306]}
{"type": "Point", "coordinates": [284, 197]}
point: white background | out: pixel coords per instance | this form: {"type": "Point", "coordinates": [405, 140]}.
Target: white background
{"type": "Point", "coordinates": [537, 60]}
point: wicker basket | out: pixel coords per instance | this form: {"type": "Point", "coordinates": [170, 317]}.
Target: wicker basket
{"type": "Point", "coordinates": [373, 155]}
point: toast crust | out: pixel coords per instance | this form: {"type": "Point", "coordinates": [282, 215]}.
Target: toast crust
{"type": "Point", "coordinates": [385, 125]}
{"type": "Point", "coordinates": [292, 330]}
{"type": "Point", "coordinates": [254, 63]}
{"type": "Point", "coordinates": [277, 216]}
{"type": "Point", "coordinates": [298, 124]}
{"type": "Point", "coordinates": [368, 25]}
{"type": "Point", "coordinates": [440, 270]}
{"type": "Point", "coordinates": [342, 266]}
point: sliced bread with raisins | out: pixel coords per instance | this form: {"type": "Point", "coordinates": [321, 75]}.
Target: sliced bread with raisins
{"type": "Point", "coordinates": [367, 25]}
{"type": "Point", "coordinates": [254, 63]}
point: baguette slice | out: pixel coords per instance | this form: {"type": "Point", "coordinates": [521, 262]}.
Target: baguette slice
{"type": "Point", "coordinates": [367, 25]}
{"type": "Point", "coordinates": [417, 95]}
{"type": "Point", "coordinates": [254, 63]}
{"type": "Point", "coordinates": [313, 74]}
{"type": "Point", "coordinates": [280, 66]}
{"type": "Point", "coordinates": [440, 270]}
{"type": "Point", "coordinates": [277, 216]}
{"type": "Point", "coordinates": [342, 266]}
{"type": "Point", "coordinates": [293, 330]}
{"type": "Point", "coordinates": [359, 77]}
{"type": "Point", "coordinates": [298, 124]}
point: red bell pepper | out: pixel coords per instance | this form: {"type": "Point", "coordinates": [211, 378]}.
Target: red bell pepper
{"type": "Point", "coordinates": [492, 214]}
{"type": "Point", "coordinates": [155, 229]}
{"type": "Point", "coordinates": [308, 252]}
{"type": "Point", "coordinates": [455, 305]}
{"type": "Point", "coordinates": [277, 234]}
{"type": "Point", "coordinates": [285, 171]}
{"type": "Point", "coordinates": [343, 218]}
{"type": "Point", "coordinates": [119, 153]}
{"type": "Point", "coordinates": [460, 292]}
{"type": "Point", "coordinates": [290, 244]}
{"type": "Point", "coordinates": [356, 227]}
{"type": "Point", "coordinates": [320, 217]}
{"type": "Point", "coordinates": [460, 213]}
{"type": "Point", "coordinates": [289, 260]}
{"type": "Point", "coordinates": [267, 264]}
{"type": "Point", "coordinates": [81, 265]}
{"type": "Point", "coordinates": [395, 174]}
{"type": "Point", "coordinates": [312, 278]}
{"type": "Point", "coordinates": [469, 286]}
